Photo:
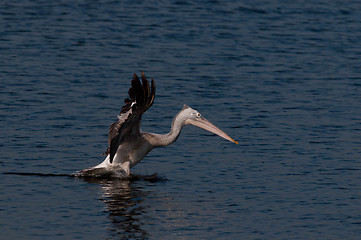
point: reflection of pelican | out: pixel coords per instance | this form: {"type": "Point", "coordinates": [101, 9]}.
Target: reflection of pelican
{"type": "Point", "coordinates": [125, 208]}
{"type": "Point", "coordinates": [128, 145]}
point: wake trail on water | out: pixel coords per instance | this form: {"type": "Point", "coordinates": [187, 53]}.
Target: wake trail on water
{"type": "Point", "coordinates": [153, 177]}
{"type": "Point", "coordinates": [41, 174]}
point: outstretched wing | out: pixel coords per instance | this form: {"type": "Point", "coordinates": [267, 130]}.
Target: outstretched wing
{"type": "Point", "coordinates": [141, 97]}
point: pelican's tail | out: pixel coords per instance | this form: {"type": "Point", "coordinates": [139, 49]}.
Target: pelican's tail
{"type": "Point", "coordinates": [102, 172]}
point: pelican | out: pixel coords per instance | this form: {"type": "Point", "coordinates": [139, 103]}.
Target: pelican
{"type": "Point", "coordinates": [128, 145]}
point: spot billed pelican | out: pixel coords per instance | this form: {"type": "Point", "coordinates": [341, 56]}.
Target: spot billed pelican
{"type": "Point", "coordinates": [127, 145]}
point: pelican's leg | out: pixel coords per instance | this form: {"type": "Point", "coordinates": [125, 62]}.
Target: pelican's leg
{"type": "Point", "coordinates": [126, 168]}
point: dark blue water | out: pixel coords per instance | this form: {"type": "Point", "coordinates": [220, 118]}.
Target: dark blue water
{"type": "Point", "coordinates": [282, 78]}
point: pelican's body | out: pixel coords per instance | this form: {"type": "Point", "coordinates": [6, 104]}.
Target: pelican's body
{"type": "Point", "coordinates": [128, 145]}
{"type": "Point", "coordinates": [127, 156]}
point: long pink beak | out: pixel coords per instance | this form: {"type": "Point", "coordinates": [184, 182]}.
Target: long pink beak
{"type": "Point", "coordinates": [207, 125]}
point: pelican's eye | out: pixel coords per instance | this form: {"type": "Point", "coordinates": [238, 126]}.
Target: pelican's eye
{"type": "Point", "coordinates": [198, 115]}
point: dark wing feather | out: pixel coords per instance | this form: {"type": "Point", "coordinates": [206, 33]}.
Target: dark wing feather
{"type": "Point", "coordinates": [141, 97]}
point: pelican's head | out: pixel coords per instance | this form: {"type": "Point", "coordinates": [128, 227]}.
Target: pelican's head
{"type": "Point", "coordinates": [194, 118]}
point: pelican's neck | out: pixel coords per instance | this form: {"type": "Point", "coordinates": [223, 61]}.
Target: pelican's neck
{"type": "Point", "coordinates": [177, 125]}
{"type": "Point", "coordinates": [161, 140]}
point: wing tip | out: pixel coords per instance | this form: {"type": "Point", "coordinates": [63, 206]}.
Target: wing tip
{"type": "Point", "coordinates": [142, 92]}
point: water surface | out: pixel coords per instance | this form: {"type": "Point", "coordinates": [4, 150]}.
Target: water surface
{"type": "Point", "coordinates": [283, 79]}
